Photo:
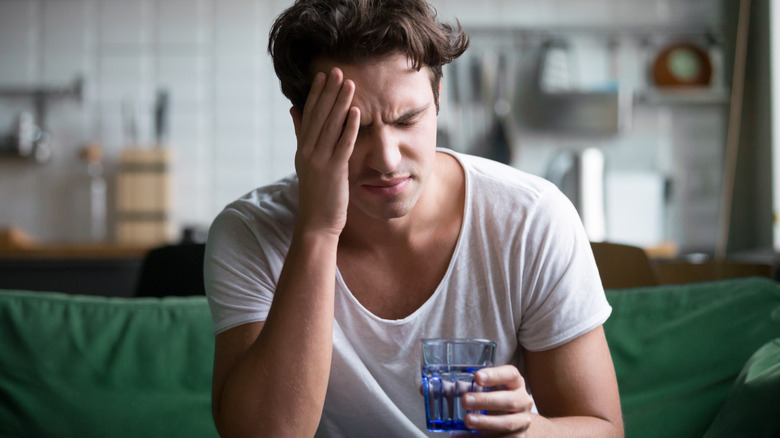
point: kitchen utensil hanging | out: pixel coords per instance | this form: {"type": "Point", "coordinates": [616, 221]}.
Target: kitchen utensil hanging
{"type": "Point", "coordinates": [561, 106]}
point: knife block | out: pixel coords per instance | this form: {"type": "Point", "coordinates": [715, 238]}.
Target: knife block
{"type": "Point", "coordinates": [143, 197]}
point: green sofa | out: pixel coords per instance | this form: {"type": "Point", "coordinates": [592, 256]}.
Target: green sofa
{"type": "Point", "coordinates": [698, 360]}
{"type": "Point", "coordinates": [87, 366]}
{"type": "Point", "coordinates": [692, 360]}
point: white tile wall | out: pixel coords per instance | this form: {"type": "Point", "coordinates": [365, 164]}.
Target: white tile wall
{"type": "Point", "coordinates": [229, 125]}
{"type": "Point", "coordinates": [526, 13]}
{"type": "Point", "coordinates": [125, 23]}
{"type": "Point", "coordinates": [20, 40]}
{"type": "Point", "coordinates": [184, 22]}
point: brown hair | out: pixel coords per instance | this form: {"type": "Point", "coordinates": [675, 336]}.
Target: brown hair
{"type": "Point", "coordinates": [351, 31]}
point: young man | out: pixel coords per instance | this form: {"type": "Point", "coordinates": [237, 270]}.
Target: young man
{"type": "Point", "coordinates": [322, 284]}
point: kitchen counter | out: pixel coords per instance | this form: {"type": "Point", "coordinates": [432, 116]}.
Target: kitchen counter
{"type": "Point", "coordinates": [15, 244]}
{"type": "Point", "coordinates": [75, 250]}
{"type": "Point", "coordinates": [107, 269]}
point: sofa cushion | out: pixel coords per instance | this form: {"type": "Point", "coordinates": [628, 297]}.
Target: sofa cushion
{"type": "Point", "coordinates": [86, 366]}
{"type": "Point", "coordinates": [678, 349]}
{"type": "Point", "coordinates": [752, 406]}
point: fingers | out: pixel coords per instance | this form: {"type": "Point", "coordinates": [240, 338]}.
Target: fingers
{"type": "Point", "coordinates": [500, 424]}
{"type": "Point", "coordinates": [333, 127]}
{"type": "Point", "coordinates": [498, 401]}
{"type": "Point", "coordinates": [317, 85]}
{"type": "Point", "coordinates": [349, 135]}
{"type": "Point", "coordinates": [508, 411]}
{"type": "Point", "coordinates": [508, 403]}
{"type": "Point", "coordinates": [325, 113]}
{"type": "Point", "coordinates": [506, 375]}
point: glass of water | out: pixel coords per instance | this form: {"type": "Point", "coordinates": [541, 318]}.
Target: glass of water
{"type": "Point", "coordinates": [448, 369]}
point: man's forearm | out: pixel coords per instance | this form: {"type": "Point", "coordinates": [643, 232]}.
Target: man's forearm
{"type": "Point", "coordinates": [278, 387]}
{"type": "Point", "coordinates": [581, 427]}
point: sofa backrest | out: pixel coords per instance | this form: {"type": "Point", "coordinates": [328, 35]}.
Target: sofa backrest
{"type": "Point", "coordinates": [86, 366]}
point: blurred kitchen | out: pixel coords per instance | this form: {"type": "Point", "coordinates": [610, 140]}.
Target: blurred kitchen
{"type": "Point", "coordinates": [129, 124]}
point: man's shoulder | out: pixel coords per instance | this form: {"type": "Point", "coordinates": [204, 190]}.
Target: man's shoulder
{"type": "Point", "coordinates": [487, 174]}
{"type": "Point", "coordinates": [276, 202]}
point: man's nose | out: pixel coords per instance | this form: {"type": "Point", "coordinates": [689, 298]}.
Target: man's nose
{"type": "Point", "coordinates": [385, 153]}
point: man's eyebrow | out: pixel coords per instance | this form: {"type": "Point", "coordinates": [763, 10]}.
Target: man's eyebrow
{"type": "Point", "coordinates": [405, 116]}
{"type": "Point", "coordinates": [412, 113]}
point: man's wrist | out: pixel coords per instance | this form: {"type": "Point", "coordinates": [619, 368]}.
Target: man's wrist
{"type": "Point", "coordinates": [314, 237]}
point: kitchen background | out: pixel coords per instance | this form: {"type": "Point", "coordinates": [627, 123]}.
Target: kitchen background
{"type": "Point", "coordinates": [187, 86]}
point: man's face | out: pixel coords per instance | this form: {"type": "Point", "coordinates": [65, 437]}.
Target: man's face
{"type": "Point", "coordinates": [396, 146]}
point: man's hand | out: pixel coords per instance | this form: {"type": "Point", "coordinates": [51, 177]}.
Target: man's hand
{"type": "Point", "coordinates": [326, 130]}
{"type": "Point", "coordinates": [508, 403]}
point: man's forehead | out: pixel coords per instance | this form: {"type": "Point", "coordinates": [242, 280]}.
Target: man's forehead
{"type": "Point", "coordinates": [395, 61]}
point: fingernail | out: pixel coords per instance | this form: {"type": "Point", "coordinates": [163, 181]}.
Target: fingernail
{"type": "Point", "coordinates": [468, 399]}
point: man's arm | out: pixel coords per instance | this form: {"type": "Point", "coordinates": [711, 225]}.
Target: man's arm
{"type": "Point", "coordinates": [574, 387]}
{"type": "Point", "coordinates": [270, 378]}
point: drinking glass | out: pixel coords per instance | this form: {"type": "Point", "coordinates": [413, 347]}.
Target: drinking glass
{"type": "Point", "coordinates": [448, 369]}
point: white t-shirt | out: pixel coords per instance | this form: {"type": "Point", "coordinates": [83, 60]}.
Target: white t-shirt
{"type": "Point", "coordinates": [522, 274]}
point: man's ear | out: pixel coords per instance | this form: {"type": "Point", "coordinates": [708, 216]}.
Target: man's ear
{"type": "Point", "coordinates": [297, 116]}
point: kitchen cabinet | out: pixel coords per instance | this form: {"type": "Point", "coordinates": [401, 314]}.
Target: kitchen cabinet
{"type": "Point", "coordinates": [113, 275]}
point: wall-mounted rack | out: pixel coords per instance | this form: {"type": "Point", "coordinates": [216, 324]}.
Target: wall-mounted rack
{"type": "Point", "coordinates": [28, 140]}
{"type": "Point", "coordinates": [41, 95]}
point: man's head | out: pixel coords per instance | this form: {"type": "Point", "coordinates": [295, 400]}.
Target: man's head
{"type": "Point", "coordinates": [353, 31]}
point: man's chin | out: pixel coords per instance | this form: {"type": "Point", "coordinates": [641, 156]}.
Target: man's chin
{"type": "Point", "coordinates": [385, 211]}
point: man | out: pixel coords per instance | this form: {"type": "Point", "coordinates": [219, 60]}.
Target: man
{"type": "Point", "coordinates": [322, 285]}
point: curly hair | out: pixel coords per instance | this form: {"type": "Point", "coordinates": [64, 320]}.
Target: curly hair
{"type": "Point", "coordinates": [351, 31]}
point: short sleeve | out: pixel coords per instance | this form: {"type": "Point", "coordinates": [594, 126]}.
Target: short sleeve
{"type": "Point", "coordinates": [239, 270]}
{"type": "Point", "coordinates": [562, 295]}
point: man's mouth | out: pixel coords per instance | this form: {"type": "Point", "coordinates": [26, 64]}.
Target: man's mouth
{"type": "Point", "coordinates": [390, 187]}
